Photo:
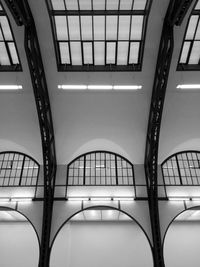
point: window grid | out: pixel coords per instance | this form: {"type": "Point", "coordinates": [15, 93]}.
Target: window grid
{"type": "Point", "coordinates": [100, 168]}
{"type": "Point", "coordinates": [99, 39]}
{"type": "Point", "coordinates": [190, 53]}
{"type": "Point", "coordinates": [182, 169]}
{"type": "Point", "coordinates": [9, 59]}
{"type": "Point", "coordinates": [18, 170]}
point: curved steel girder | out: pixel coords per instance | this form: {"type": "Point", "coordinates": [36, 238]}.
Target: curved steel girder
{"type": "Point", "coordinates": [174, 16]}
{"type": "Point", "coordinates": [23, 16]}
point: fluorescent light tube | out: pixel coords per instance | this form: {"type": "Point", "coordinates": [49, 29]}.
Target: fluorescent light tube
{"type": "Point", "coordinates": [19, 199]}
{"type": "Point", "coordinates": [123, 198]}
{"type": "Point", "coordinates": [78, 198]}
{"type": "Point", "coordinates": [72, 87]}
{"type": "Point", "coordinates": [178, 198]}
{"type": "Point", "coordinates": [100, 87]}
{"type": "Point", "coordinates": [2, 199]}
{"type": "Point", "coordinates": [100, 198]}
{"type": "Point", "coordinates": [188, 86]}
{"type": "Point", "coordinates": [10, 87]}
{"type": "Point", "coordinates": [127, 87]}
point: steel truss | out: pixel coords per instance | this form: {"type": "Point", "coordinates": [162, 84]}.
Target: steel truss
{"type": "Point", "coordinates": [174, 16]}
{"type": "Point", "coordinates": [22, 14]}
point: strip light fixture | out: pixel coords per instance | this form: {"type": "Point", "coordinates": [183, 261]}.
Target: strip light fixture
{"type": "Point", "coordinates": [178, 198]}
{"type": "Point", "coordinates": [100, 198]}
{"type": "Point", "coordinates": [15, 199]}
{"type": "Point", "coordinates": [100, 87]}
{"type": "Point", "coordinates": [188, 86]}
{"type": "Point", "coordinates": [10, 87]}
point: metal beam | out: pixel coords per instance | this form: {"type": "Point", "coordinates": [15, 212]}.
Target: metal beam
{"type": "Point", "coordinates": [174, 16]}
{"type": "Point", "coordinates": [22, 14]}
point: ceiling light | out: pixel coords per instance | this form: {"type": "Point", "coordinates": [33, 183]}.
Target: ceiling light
{"type": "Point", "coordinates": [21, 199]}
{"type": "Point", "coordinates": [127, 87]}
{"type": "Point", "coordinates": [72, 87]}
{"type": "Point", "coordinates": [179, 198]}
{"type": "Point", "coordinates": [100, 198]}
{"type": "Point", "coordinates": [10, 87]}
{"type": "Point", "coordinates": [188, 86]}
{"type": "Point", "coordinates": [100, 87]}
{"type": "Point", "coordinates": [78, 198]}
{"type": "Point", "coordinates": [123, 198]}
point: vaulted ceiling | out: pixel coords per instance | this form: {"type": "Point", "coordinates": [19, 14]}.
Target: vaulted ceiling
{"type": "Point", "coordinates": [110, 120]}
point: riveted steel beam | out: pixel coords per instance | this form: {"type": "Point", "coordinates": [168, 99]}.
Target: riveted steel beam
{"type": "Point", "coordinates": [174, 16]}
{"type": "Point", "coordinates": [22, 14]}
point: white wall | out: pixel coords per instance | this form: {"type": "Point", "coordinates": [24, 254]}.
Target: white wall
{"type": "Point", "coordinates": [18, 245]}
{"type": "Point", "coordinates": [89, 244]}
{"type": "Point", "coordinates": [182, 242]}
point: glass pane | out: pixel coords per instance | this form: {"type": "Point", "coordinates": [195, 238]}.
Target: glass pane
{"type": "Point", "coordinates": [122, 53]}
{"type": "Point", "coordinates": [197, 36]}
{"type": "Point", "coordinates": [99, 4]}
{"type": "Point", "coordinates": [87, 52]}
{"type": "Point", "coordinates": [4, 59]}
{"type": "Point", "coordinates": [64, 53]}
{"type": "Point", "coordinates": [111, 27]}
{"type": "Point", "coordinates": [197, 5]}
{"type": "Point", "coordinates": [99, 28]}
{"type": "Point", "coordinates": [13, 53]}
{"type": "Point", "coordinates": [185, 51]}
{"type": "Point", "coordinates": [85, 4]}
{"type": "Point", "coordinates": [86, 27]}
{"type": "Point", "coordinates": [136, 27]}
{"type": "Point", "coordinates": [61, 27]}
{"type": "Point", "coordinates": [126, 4]}
{"type": "Point", "coordinates": [191, 27]}
{"type": "Point", "coordinates": [76, 53]}
{"type": "Point", "coordinates": [71, 4]}
{"type": "Point", "coordinates": [6, 28]}
{"type": "Point", "coordinates": [134, 52]}
{"type": "Point", "coordinates": [124, 26]}
{"type": "Point", "coordinates": [99, 53]}
{"type": "Point", "coordinates": [139, 4]}
{"type": "Point", "coordinates": [74, 29]}
{"type": "Point", "coordinates": [58, 4]}
{"type": "Point", "coordinates": [110, 56]}
{"type": "Point", "coordinates": [112, 4]}
{"type": "Point", "coordinates": [195, 53]}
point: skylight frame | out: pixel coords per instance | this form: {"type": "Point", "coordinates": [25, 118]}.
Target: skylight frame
{"type": "Point", "coordinates": [186, 66]}
{"type": "Point", "coordinates": [13, 66]}
{"type": "Point", "coordinates": [105, 66]}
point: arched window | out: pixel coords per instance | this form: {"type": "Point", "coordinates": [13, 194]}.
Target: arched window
{"type": "Point", "coordinates": [190, 52]}
{"type": "Point", "coordinates": [9, 59]}
{"type": "Point", "coordinates": [100, 168]}
{"type": "Point", "coordinates": [17, 169]}
{"type": "Point", "coordinates": [182, 168]}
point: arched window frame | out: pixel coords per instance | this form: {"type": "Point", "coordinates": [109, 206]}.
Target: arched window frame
{"type": "Point", "coordinates": [15, 170]}
{"type": "Point", "coordinates": [183, 169]}
{"type": "Point", "coordinates": [115, 182]}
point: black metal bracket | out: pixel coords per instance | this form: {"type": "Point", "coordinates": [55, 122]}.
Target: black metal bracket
{"type": "Point", "coordinates": [174, 16]}
{"type": "Point", "coordinates": [22, 14]}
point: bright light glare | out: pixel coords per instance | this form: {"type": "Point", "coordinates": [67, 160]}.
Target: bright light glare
{"type": "Point", "coordinates": [10, 87]}
{"type": "Point", "coordinates": [4, 199]}
{"type": "Point", "coordinates": [21, 199]}
{"type": "Point", "coordinates": [196, 199]}
{"type": "Point", "coordinates": [72, 87]}
{"type": "Point", "coordinates": [123, 198]}
{"type": "Point", "coordinates": [77, 198]}
{"type": "Point", "coordinates": [100, 198]}
{"type": "Point", "coordinates": [188, 86]}
{"type": "Point", "coordinates": [127, 87]}
{"type": "Point", "coordinates": [99, 87]}
{"type": "Point", "coordinates": [179, 198]}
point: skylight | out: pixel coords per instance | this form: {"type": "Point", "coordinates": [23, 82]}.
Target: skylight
{"type": "Point", "coordinates": [190, 53]}
{"type": "Point", "coordinates": [9, 60]}
{"type": "Point", "coordinates": [99, 35]}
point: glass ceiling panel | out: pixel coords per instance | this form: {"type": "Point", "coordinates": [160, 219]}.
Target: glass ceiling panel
{"type": "Point", "coordinates": [90, 24]}
{"type": "Point", "coordinates": [9, 60]}
{"type": "Point", "coordinates": [190, 53]}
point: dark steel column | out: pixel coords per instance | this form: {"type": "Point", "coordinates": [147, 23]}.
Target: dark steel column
{"type": "Point", "coordinates": [174, 16]}
{"type": "Point", "coordinates": [22, 14]}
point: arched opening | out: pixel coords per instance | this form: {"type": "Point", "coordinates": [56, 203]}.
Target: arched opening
{"type": "Point", "coordinates": [181, 242]}
{"type": "Point", "coordinates": [101, 236]}
{"type": "Point", "coordinates": [19, 243]}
